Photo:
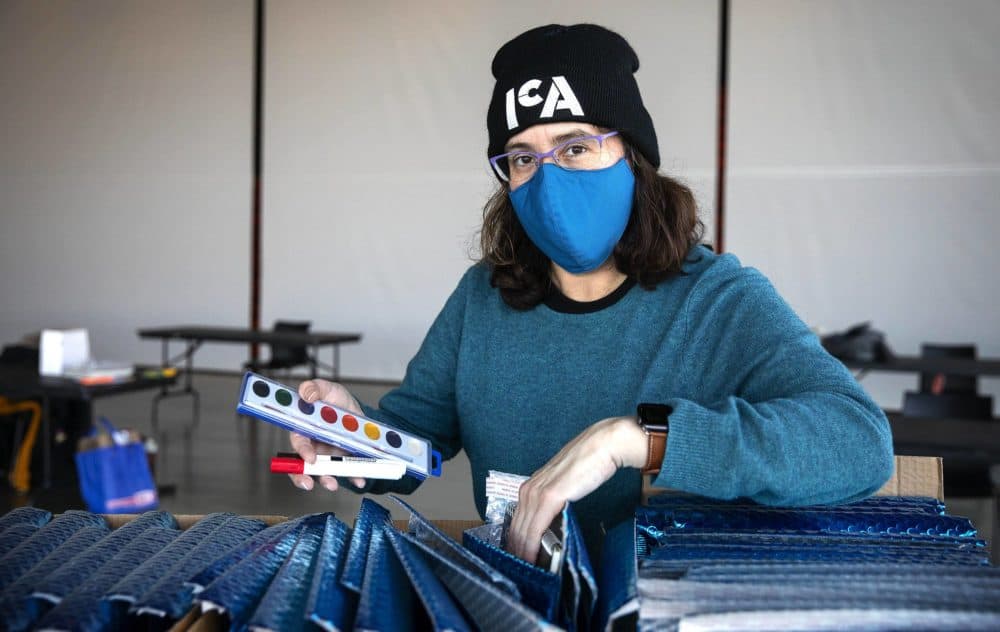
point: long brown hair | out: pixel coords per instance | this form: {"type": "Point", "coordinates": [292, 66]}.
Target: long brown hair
{"type": "Point", "coordinates": [662, 229]}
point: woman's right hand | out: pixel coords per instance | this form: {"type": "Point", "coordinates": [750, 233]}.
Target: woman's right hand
{"type": "Point", "coordinates": [332, 393]}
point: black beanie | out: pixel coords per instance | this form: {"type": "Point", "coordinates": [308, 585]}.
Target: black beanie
{"type": "Point", "coordinates": [558, 73]}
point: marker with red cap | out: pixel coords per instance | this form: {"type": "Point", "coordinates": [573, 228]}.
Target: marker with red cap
{"type": "Point", "coordinates": [328, 465]}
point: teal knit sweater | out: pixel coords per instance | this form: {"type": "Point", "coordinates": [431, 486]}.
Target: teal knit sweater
{"type": "Point", "coordinates": [760, 410]}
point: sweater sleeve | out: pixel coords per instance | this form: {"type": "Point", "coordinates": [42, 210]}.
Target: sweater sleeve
{"type": "Point", "coordinates": [771, 415]}
{"type": "Point", "coordinates": [424, 403]}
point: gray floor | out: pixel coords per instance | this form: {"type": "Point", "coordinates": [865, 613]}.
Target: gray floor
{"type": "Point", "coordinates": [222, 464]}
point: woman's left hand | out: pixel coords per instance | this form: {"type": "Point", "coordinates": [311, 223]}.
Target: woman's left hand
{"type": "Point", "coordinates": [578, 469]}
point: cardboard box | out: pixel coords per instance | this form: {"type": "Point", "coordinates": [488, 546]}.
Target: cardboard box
{"type": "Point", "coordinates": [916, 476]}
{"type": "Point", "coordinates": [912, 476]}
{"type": "Point", "coordinates": [453, 528]}
{"type": "Point", "coordinates": [184, 521]}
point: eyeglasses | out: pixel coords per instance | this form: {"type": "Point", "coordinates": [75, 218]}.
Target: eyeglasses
{"type": "Point", "coordinates": [583, 153]}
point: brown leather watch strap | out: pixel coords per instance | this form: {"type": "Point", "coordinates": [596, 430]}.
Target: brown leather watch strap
{"type": "Point", "coordinates": [657, 449]}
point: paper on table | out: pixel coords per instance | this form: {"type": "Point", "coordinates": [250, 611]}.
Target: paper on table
{"type": "Point", "coordinates": [98, 371]}
{"type": "Point", "coordinates": [59, 349]}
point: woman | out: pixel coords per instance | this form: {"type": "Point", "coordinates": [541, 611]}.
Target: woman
{"type": "Point", "coordinates": [592, 297]}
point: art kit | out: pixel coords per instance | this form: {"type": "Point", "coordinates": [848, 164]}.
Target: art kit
{"type": "Point", "coordinates": [275, 403]}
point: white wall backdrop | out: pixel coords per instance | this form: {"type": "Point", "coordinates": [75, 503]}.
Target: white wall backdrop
{"type": "Point", "coordinates": [865, 155]}
{"type": "Point", "coordinates": [124, 168]}
{"type": "Point", "coordinates": [376, 171]}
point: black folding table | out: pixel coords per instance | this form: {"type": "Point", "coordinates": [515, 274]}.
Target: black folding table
{"type": "Point", "coordinates": [970, 439]}
{"type": "Point", "coordinates": [194, 336]}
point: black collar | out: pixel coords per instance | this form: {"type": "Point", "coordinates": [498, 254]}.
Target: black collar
{"type": "Point", "coordinates": [559, 302]}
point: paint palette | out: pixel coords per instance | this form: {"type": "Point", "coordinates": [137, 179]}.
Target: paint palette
{"type": "Point", "coordinates": [280, 405]}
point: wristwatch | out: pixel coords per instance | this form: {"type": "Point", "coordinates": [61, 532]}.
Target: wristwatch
{"type": "Point", "coordinates": [654, 419]}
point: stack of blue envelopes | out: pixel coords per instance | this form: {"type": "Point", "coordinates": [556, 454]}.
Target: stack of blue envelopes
{"type": "Point", "coordinates": [882, 563]}
{"type": "Point", "coordinates": [73, 572]}
{"type": "Point", "coordinates": [685, 563]}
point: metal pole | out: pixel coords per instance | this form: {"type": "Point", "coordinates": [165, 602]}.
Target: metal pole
{"type": "Point", "coordinates": [258, 145]}
{"type": "Point", "coordinates": [723, 96]}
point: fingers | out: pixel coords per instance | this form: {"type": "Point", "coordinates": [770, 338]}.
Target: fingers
{"type": "Point", "coordinates": [580, 467]}
{"type": "Point", "coordinates": [305, 482]}
{"type": "Point", "coordinates": [302, 481]}
{"type": "Point", "coordinates": [331, 392]}
{"type": "Point", "coordinates": [537, 507]}
{"type": "Point", "coordinates": [312, 390]}
{"type": "Point", "coordinates": [518, 539]}
{"type": "Point", "coordinates": [307, 449]}
{"type": "Point", "coordinates": [303, 446]}
{"type": "Point", "coordinates": [329, 482]}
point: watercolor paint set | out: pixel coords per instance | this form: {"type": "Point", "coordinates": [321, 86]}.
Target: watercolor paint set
{"type": "Point", "coordinates": [275, 403]}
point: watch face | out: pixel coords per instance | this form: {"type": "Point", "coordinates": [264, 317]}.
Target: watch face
{"type": "Point", "coordinates": [654, 415]}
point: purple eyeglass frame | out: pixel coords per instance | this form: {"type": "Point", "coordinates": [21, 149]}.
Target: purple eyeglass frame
{"type": "Point", "coordinates": [494, 161]}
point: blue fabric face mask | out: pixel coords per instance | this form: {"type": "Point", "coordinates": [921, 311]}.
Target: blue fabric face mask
{"type": "Point", "coordinates": [576, 217]}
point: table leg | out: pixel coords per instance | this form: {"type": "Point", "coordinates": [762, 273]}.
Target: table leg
{"type": "Point", "coordinates": [187, 389]}
{"type": "Point", "coordinates": [195, 407]}
{"type": "Point", "coordinates": [994, 544]}
{"type": "Point", "coordinates": [46, 444]}
{"type": "Point", "coordinates": [995, 536]}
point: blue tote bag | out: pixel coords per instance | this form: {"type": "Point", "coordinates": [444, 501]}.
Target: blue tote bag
{"type": "Point", "coordinates": [115, 478]}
